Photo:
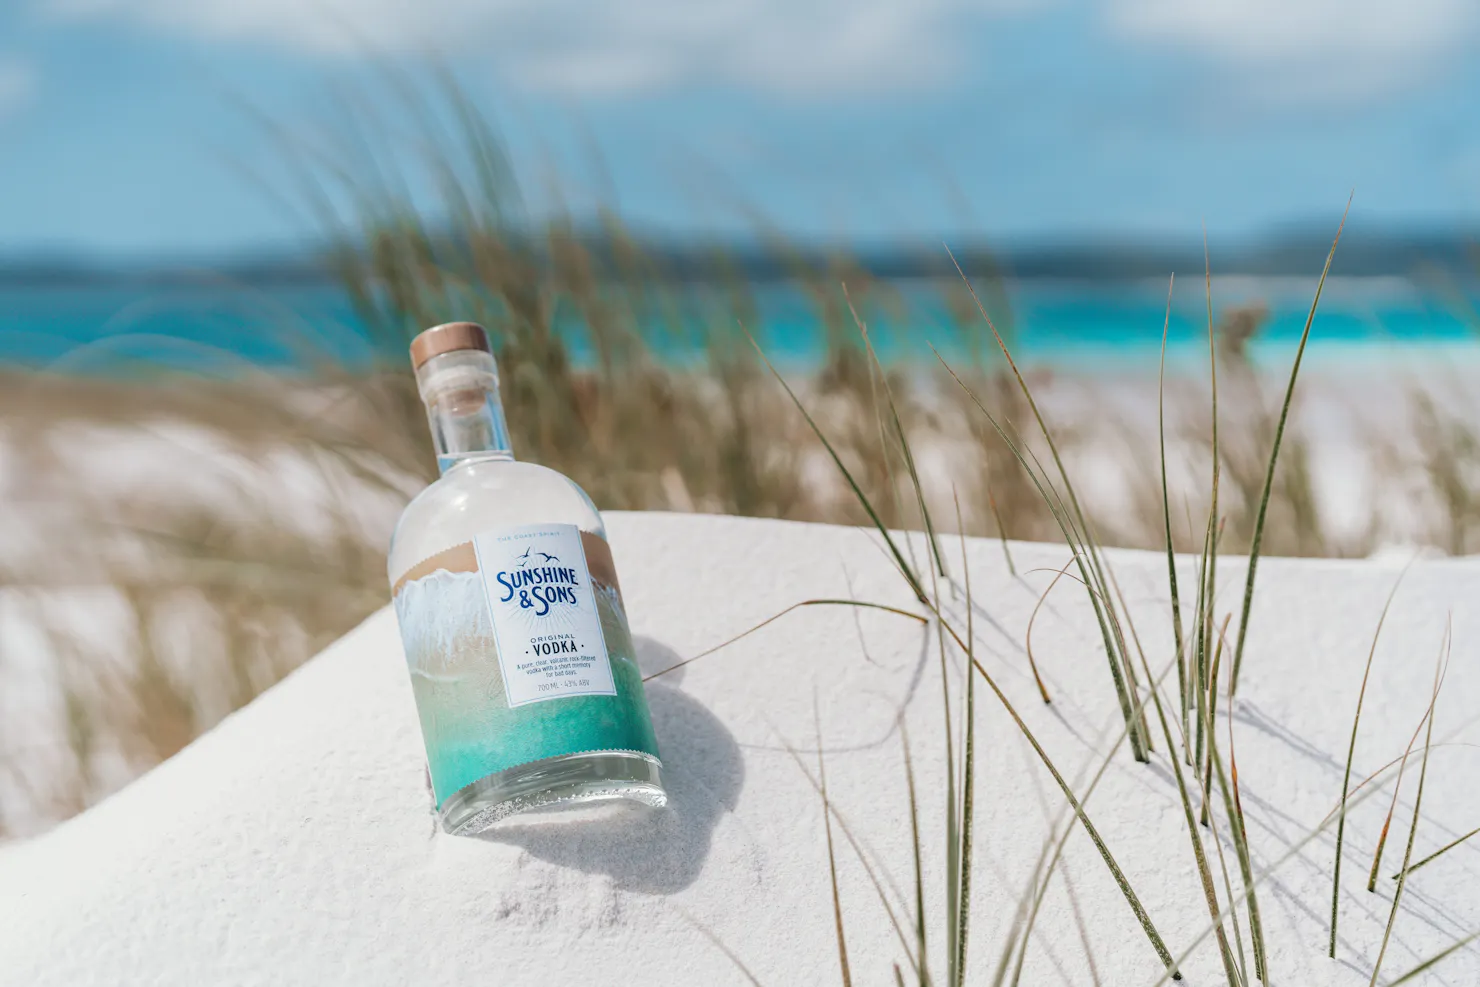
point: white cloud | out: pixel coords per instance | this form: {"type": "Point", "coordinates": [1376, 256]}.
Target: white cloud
{"type": "Point", "coordinates": [1309, 49]}
{"type": "Point", "coordinates": [17, 85]}
{"type": "Point", "coordinates": [1284, 50]}
{"type": "Point", "coordinates": [606, 45]}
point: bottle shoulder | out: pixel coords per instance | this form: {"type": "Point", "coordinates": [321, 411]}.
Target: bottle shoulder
{"type": "Point", "coordinates": [476, 497]}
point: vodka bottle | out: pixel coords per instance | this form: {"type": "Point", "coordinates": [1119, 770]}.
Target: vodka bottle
{"type": "Point", "coordinates": [521, 660]}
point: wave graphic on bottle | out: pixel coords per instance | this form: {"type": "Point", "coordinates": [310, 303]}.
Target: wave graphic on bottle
{"type": "Point", "coordinates": [440, 615]}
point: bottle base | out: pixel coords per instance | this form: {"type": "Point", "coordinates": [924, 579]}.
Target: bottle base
{"type": "Point", "coordinates": [571, 779]}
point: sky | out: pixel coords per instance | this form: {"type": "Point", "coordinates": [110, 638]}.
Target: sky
{"type": "Point", "coordinates": [154, 127]}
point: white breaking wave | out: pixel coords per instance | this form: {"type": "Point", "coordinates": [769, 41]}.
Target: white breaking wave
{"type": "Point", "coordinates": [439, 615]}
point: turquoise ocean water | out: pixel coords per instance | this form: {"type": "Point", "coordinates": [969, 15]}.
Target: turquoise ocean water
{"type": "Point", "coordinates": [1079, 325]}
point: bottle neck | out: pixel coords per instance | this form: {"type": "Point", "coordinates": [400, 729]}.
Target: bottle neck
{"type": "Point", "coordinates": [460, 390]}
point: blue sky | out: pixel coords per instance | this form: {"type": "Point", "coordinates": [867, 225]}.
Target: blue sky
{"type": "Point", "coordinates": [122, 129]}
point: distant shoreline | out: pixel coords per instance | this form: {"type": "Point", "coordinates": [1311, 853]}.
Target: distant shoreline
{"type": "Point", "coordinates": [216, 325]}
{"type": "Point", "coordinates": [1450, 254]}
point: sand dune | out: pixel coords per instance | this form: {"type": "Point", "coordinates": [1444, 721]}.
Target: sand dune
{"type": "Point", "coordinates": [294, 843]}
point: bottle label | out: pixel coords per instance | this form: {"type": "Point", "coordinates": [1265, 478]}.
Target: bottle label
{"type": "Point", "coordinates": [498, 628]}
{"type": "Point", "coordinates": [544, 613]}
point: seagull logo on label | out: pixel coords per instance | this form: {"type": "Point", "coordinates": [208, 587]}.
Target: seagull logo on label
{"type": "Point", "coordinates": [525, 559]}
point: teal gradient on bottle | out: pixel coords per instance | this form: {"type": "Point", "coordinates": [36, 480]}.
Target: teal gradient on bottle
{"type": "Point", "coordinates": [469, 728]}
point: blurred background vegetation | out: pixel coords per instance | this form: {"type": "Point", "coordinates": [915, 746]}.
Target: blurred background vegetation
{"type": "Point", "coordinates": [185, 538]}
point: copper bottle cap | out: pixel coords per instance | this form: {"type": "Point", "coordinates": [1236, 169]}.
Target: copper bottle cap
{"type": "Point", "coordinates": [448, 338]}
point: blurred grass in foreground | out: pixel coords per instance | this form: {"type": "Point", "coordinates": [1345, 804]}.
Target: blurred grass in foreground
{"type": "Point", "coordinates": [177, 545]}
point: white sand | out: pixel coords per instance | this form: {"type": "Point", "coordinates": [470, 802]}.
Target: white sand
{"type": "Point", "coordinates": [294, 845]}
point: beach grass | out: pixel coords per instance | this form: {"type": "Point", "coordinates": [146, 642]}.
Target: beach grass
{"type": "Point", "coordinates": [220, 596]}
{"type": "Point", "coordinates": [1199, 673]}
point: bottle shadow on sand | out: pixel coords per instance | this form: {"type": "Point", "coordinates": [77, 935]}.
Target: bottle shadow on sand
{"type": "Point", "coordinates": [655, 851]}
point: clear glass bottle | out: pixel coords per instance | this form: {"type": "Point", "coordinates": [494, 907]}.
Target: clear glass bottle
{"type": "Point", "coordinates": [521, 660]}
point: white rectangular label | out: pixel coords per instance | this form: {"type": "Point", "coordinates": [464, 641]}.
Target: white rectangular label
{"type": "Point", "coordinates": [545, 620]}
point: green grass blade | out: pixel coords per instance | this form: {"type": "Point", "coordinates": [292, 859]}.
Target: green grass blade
{"type": "Point", "coordinates": [1274, 455]}
{"type": "Point", "coordinates": [1210, 893]}
{"type": "Point", "coordinates": [904, 444]}
{"type": "Point", "coordinates": [877, 381]}
{"type": "Point", "coordinates": [905, 569]}
{"type": "Point", "coordinates": [719, 944]}
{"type": "Point", "coordinates": [1016, 939]}
{"type": "Point", "coordinates": [1078, 512]}
{"type": "Point", "coordinates": [832, 858]}
{"type": "Point", "coordinates": [953, 836]}
{"type": "Point", "coordinates": [1290, 852]}
{"type": "Point", "coordinates": [862, 855]}
{"type": "Point", "coordinates": [1199, 670]}
{"type": "Point", "coordinates": [775, 617]}
{"type": "Point", "coordinates": [1434, 960]}
{"type": "Point", "coordinates": [1351, 751]}
{"type": "Point", "coordinates": [1209, 594]}
{"type": "Point", "coordinates": [1121, 881]}
{"type": "Point", "coordinates": [1114, 643]}
{"type": "Point", "coordinates": [968, 770]}
{"type": "Point", "coordinates": [1387, 823]}
{"type": "Point", "coordinates": [923, 965]}
{"type": "Point", "coordinates": [1439, 852]}
{"type": "Point", "coordinates": [1071, 536]}
{"type": "Point", "coordinates": [1083, 930]}
{"type": "Point", "coordinates": [1234, 806]}
{"type": "Point", "coordinates": [1207, 788]}
{"type": "Point", "coordinates": [1395, 762]}
{"type": "Point", "coordinates": [1028, 634]}
{"type": "Point", "coordinates": [1058, 848]}
{"type": "Point", "coordinates": [1423, 772]}
{"type": "Point", "coordinates": [1238, 935]}
{"type": "Point", "coordinates": [1130, 666]}
{"type": "Point", "coordinates": [1001, 531]}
